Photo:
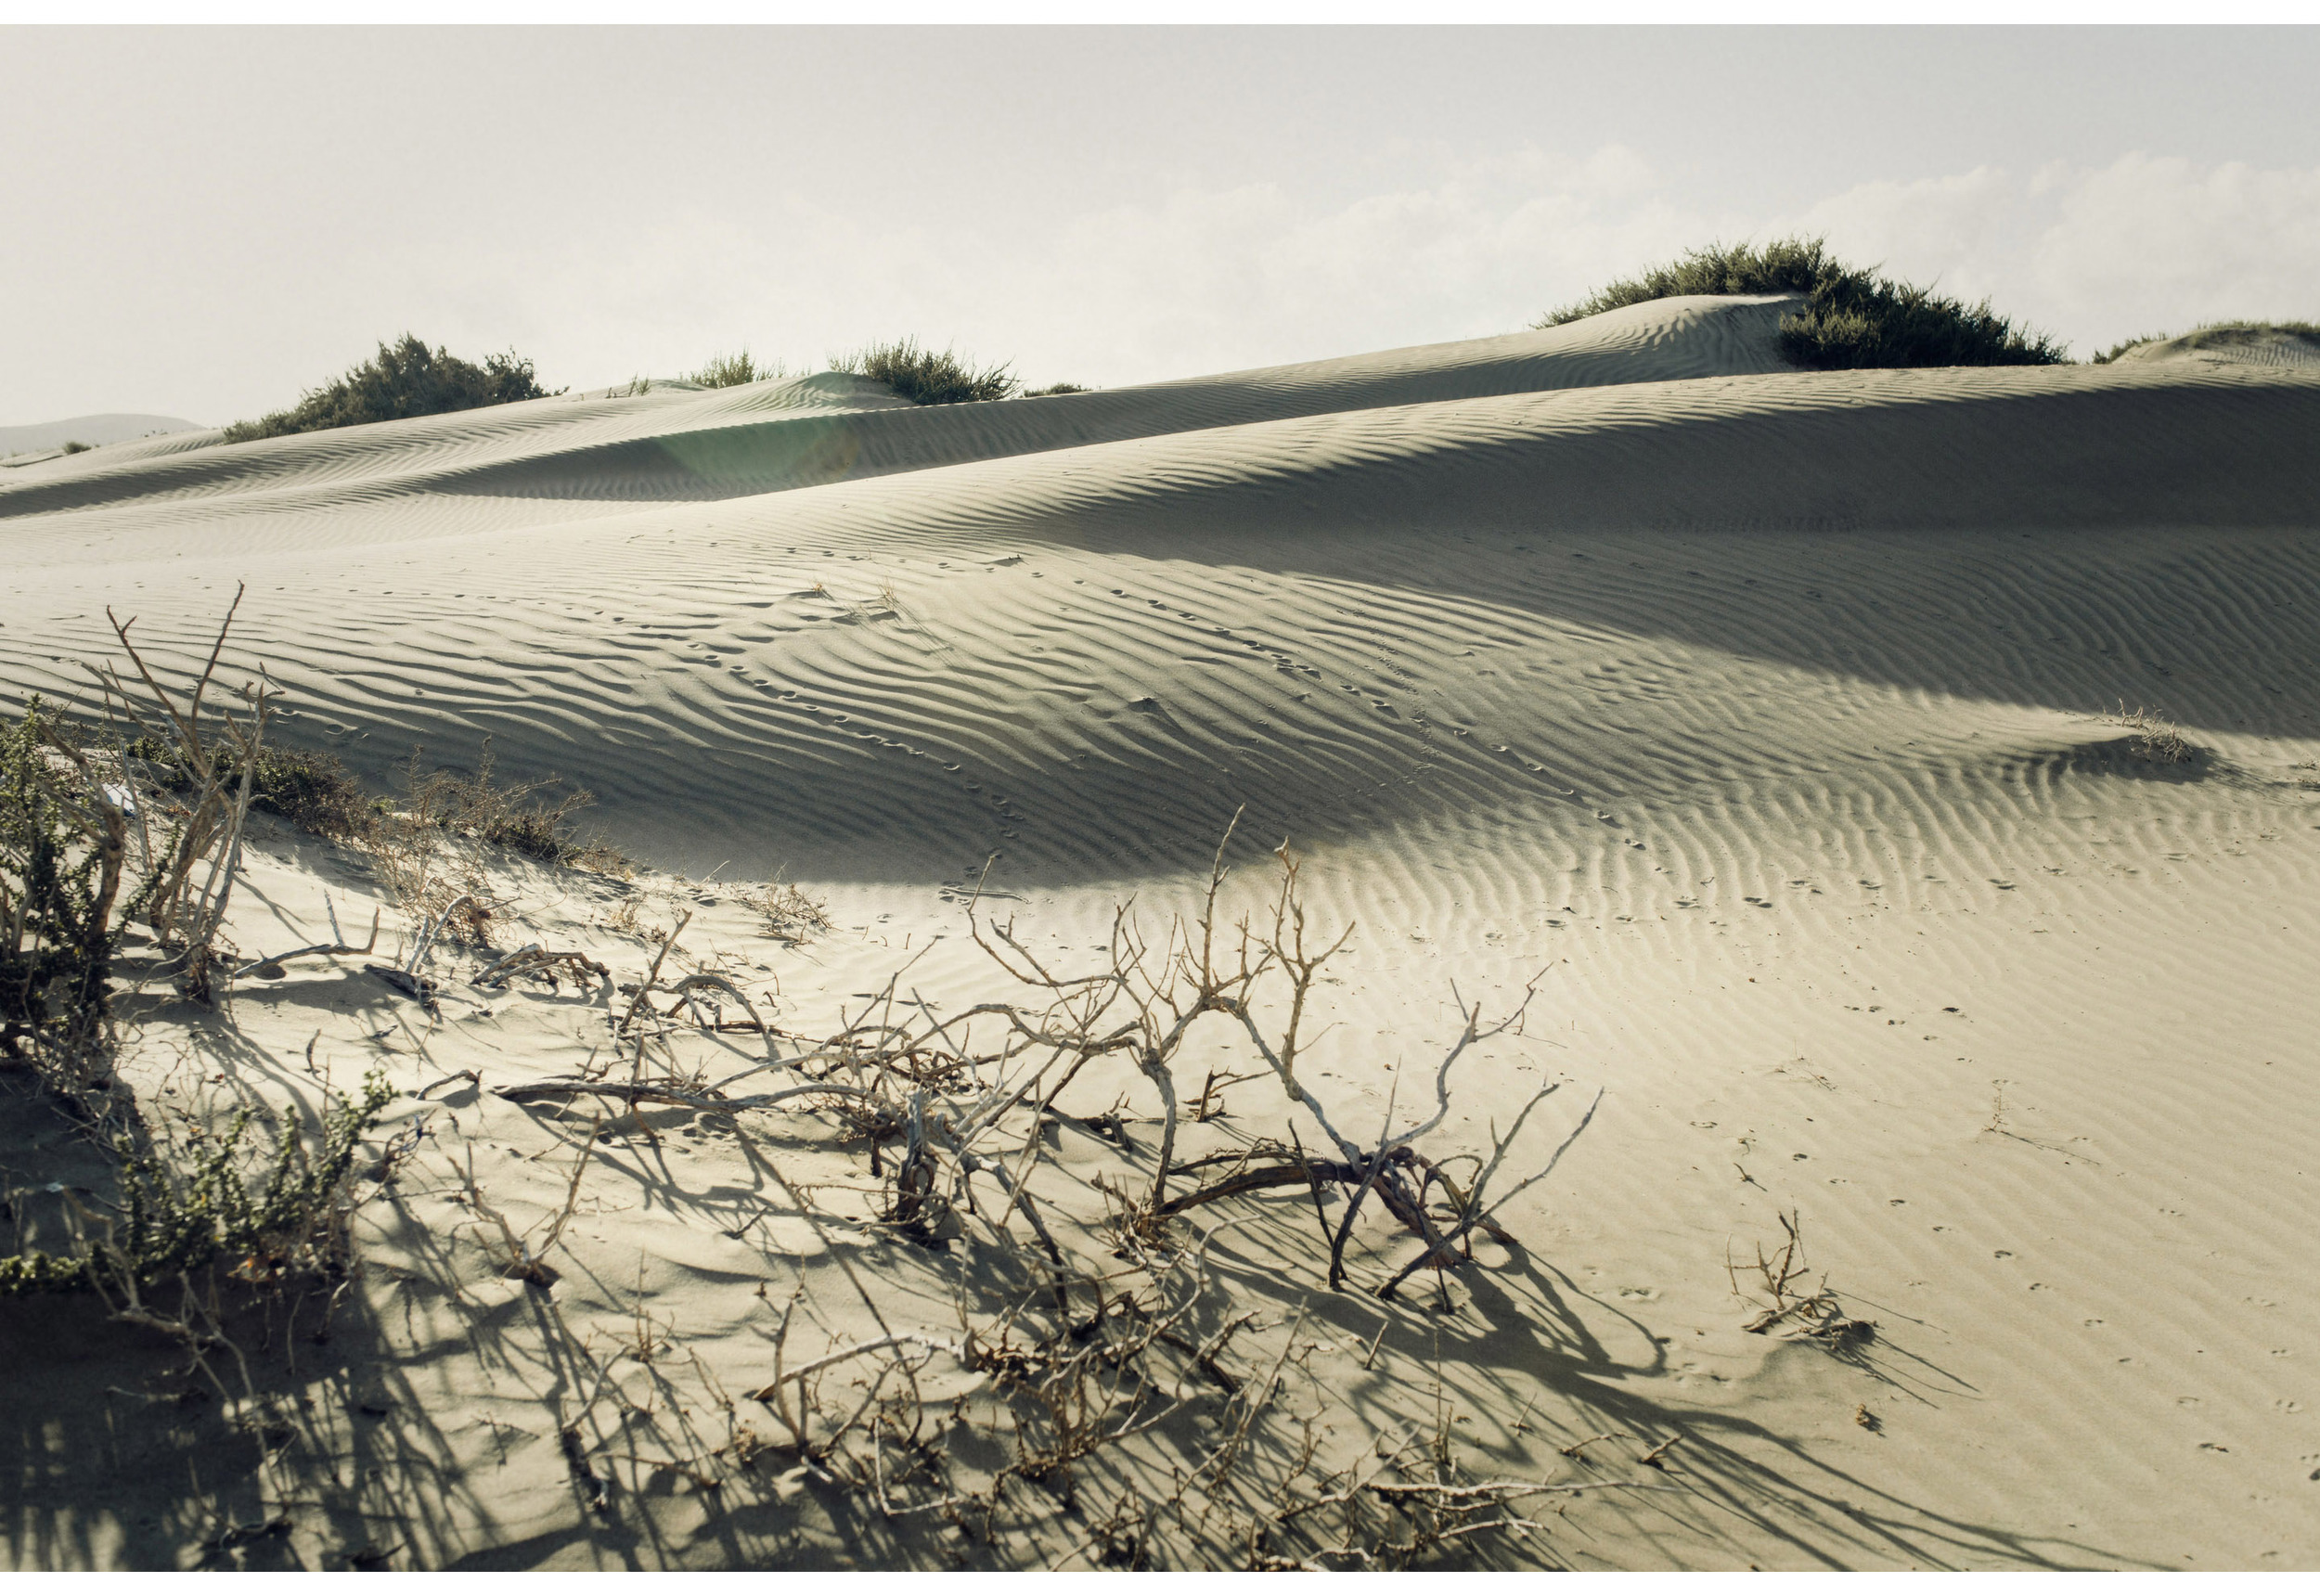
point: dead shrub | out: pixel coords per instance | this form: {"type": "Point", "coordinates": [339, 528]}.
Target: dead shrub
{"type": "Point", "coordinates": [1787, 1300]}
{"type": "Point", "coordinates": [789, 914]}
{"type": "Point", "coordinates": [2152, 736]}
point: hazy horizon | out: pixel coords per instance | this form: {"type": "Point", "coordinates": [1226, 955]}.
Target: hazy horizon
{"type": "Point", "coordinates": [205, 221]}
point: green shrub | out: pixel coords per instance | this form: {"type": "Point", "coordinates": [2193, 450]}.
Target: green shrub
{"type": "Point", "coordinates": [732, 370]}
{"type": "Point", "coordinates": [1850, 319]}
{"type": "Point", "coordinates": [1054, 388]}
{"type": "Point", "coordinates": [311, 789]}
{"type": "Point", "coordinates": [923, 376]}
{"type": "Point", "coordinates": [56, 892]}
{"type": "Point", "coordinates": [177, 1220]}
{"type": "Point", "coordinates": [74, 448]}
{"type": "Point", "coordinates": [404, 379]}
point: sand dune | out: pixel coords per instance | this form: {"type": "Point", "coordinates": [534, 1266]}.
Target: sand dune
{"type": "Point", "coordinates": [1766, 711]}
{"type": "Point", "coordinates": [112, 428]}
{"type": "Point", "coordinates": [1077, 655]}
{"type": "Point", "coordinates": [2231, 346]}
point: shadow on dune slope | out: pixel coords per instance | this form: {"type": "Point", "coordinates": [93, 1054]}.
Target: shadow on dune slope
{"type": "Point", "coordinates": [1485, 614]}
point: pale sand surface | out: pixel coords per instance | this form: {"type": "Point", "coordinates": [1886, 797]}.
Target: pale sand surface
{"type": "Point", "coordinates": [2232, 346]}
{"type": "Point", "coordinates": [1615, 650]}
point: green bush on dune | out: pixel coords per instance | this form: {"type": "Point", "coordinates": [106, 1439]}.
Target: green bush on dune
{"type": "Point", "coordinates": [926, 376]}
{"type": "Point", "coordinates": [1851, 318]}
{"type": "Point", "coordinates": [404, 379]}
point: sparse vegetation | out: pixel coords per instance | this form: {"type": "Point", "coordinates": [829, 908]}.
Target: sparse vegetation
{"type": "Point", "coordinates": [78, 824]}
{"type": "Point", "coordinates": [505, 816]}
{"type": "Point", "coordinates": [1054, 388]}
{"type": "Point", "coordinates": [1788, 1302]}
{"type": "Point", "coordinates": [404, 379]}
{"type": "Point", "coordinates": [73, 446]}
{"type": "Point", "coordinates": [422, 846]}
{"type": "Point", "coordinates": [2152, 736]}
{"type": "Point", "coordinates": [61, 858]}
{"type": "Point", "coordinates": [1097, 1360]}
{"type": "Point", "coordinates": [313, 791]}
{"type": "Point", "coordinates": [2115, 350]}
{"type": "Point", "coordinates": [924, 376]}
{"type": "Point", "coordinates": [180, 1215]}
{"type": "Point", "coordinates": [732, 370]}
{"type": "Point", "coordinates": [1105, 1388]}
{"type": "Point", "coordinates": [2222, 334]}
{"type": "Point", "coordinates": [1851, 318]}
{"type": "Point", "coordinates": [789, 914]}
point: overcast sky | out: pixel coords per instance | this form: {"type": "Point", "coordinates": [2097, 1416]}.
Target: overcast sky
{"type": "Point", "coordinates": [202, 223]}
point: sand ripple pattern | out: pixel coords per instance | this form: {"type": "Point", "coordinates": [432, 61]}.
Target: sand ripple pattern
{"type": "Point", "coordinates": [1764, 712]}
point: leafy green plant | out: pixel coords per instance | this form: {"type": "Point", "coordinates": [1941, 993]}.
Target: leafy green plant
{"type": "Point", "coordinates": [1851, 318]}
{"type": "Point", "coordinates": [227, 1202]}
{"type": "Point", "coordinates": [60, 870]}
{"type": "Point", "coordinates": [925, 377]}
{"type": "Point", "coordinates": [404, 379]}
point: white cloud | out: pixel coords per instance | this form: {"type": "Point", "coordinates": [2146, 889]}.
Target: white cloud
{"type": "Point", "coordinates": [1948, 232]}
{"type": "Point", "coordinates": [2149, 243]}
{"type": "Point", "coordinates": [1213, 279]}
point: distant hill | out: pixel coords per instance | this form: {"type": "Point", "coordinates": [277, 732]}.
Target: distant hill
{"type": "Point", "coordinates": [89, 429]}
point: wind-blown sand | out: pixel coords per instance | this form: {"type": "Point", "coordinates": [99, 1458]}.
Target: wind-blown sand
{"type": "Point", "coordinates": [1616, 651]}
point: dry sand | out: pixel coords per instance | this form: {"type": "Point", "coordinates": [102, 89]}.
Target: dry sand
{"type": "Point", "coordinates": [1617, 651]}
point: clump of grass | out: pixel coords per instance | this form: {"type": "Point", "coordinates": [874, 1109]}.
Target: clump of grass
{"type": "Point", "coordinates": [2219, 334]}
{"type": "Point", "coordinates": [315, 791]}
{"type": "Point", "coordinates": [1054, 388]}
{"type": "Point", "coordinates": [74, 446]}
{"type": "Point", "coordinates": [1851, 318]}
{"type": "Point", "coordinates": [507, 817]}
{"type": "Point", "coordinates": [404, 379]}
{"type": "Point", "coordinates": [789, 914]}
{"type": "Point", "coordinates": [925, 377]}
{"type": "Point", "coordinates": [2119, 348]}
{"type": "Point", "coordinates": [732, 370]}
